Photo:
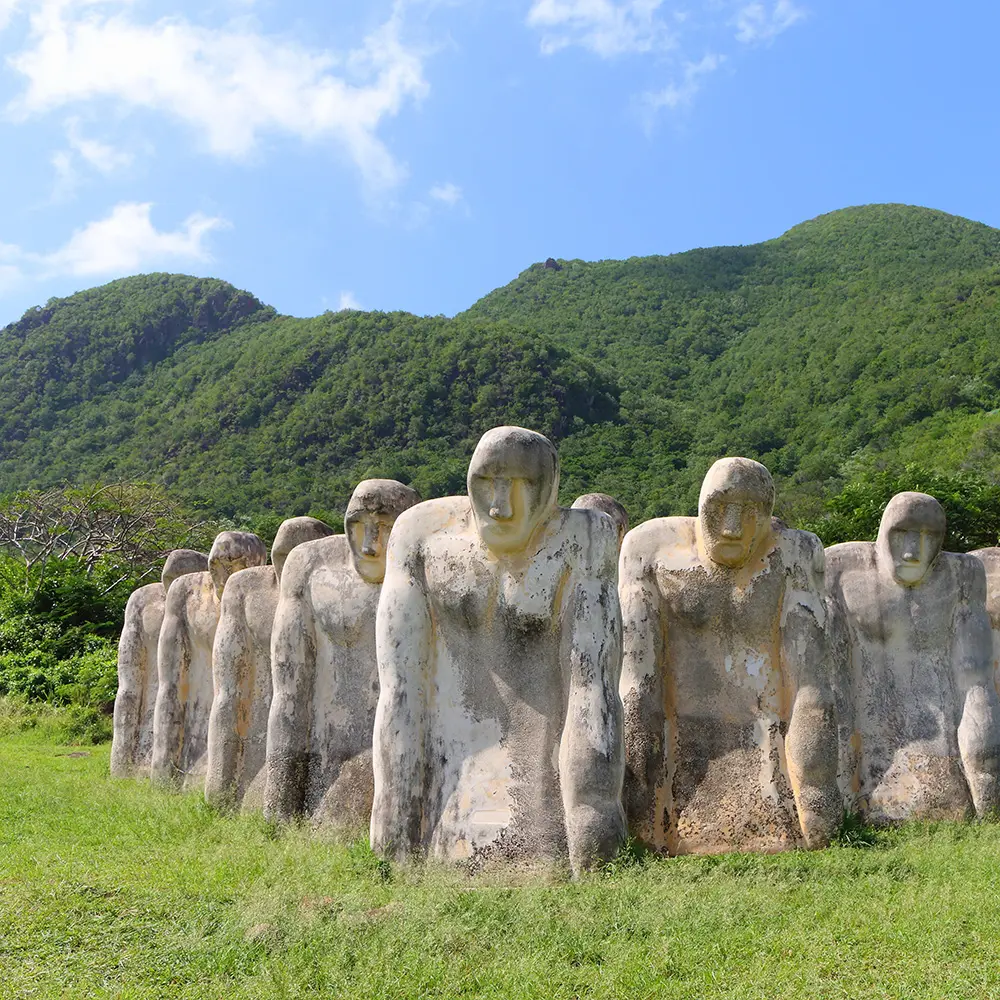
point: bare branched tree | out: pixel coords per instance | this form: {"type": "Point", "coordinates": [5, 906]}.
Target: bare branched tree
{"type": "Point", "coordinates": [131, 525]}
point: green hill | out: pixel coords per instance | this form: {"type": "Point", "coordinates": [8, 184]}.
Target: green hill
{"type": "Point", "coordinates": [863, 336]}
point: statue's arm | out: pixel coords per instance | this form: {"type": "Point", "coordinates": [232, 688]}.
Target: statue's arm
{"type": "Point", "coordinates": [173, 654]}
{"type": "Point", "coordinates": [811, 746]}
{"type": "Point", "coordinates": [644, 645]}
{"type": "Point", "coordinates": [230, 667]}
{"type": "Point", "coordinates": [404, 643]}
{"type": "Point", "coordinates": [591, 752]}
{"type": "Point", "coordinates": [293, 673]}
{"type": "Point", "coordinates": [132, 666]}
{"type": "Point", "coordinates": [979, 724]}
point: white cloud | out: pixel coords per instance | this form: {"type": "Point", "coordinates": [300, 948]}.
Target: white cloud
{"type": "Point", "coordinates": [7, 10]}
{"type": "Point", "coordinates": [681, 94]}
{"type": "Point", "coordinates": [348, 301]}
{"type": "Point", "coordinates": [99, 155]}
{"type": "Point", "coordinates": [127, 241]}
{"type": "Point", "coordinates": [124, 242]}
{"type": "Point", "coordinates": [605, 27]}
{"type": "Point", "coordinates": [757, 22]}
{"type": "Point", "coordinates": [231, 85]}
{"type": "Point", "coordinates": [450, 194]}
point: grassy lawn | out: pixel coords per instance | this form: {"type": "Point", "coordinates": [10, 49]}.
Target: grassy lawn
{"type": "Point", "coordinates": [110, 888]}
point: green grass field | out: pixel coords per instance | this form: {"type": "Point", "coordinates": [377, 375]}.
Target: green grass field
{"type": "Point", "coordinates": [112, 889]}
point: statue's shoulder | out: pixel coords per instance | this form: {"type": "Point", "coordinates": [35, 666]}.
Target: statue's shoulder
{"type": "Point", "coordinates": [847, 557]}
{"type": "Point", "coordinates": [427, 522]}
{"type": "Point", "coordinates": [249, 581]}
{"type": "Point", "coordinates": [305, 559]}
{"type": "Point", "coordinates": [187, 587]}
{"type": "Point", "coordinates": [145, 597]}
{"type": "Point", "coordinates": [800, 547]}
{"type": "Point", "coordinates": [969, 573]}
{"type": "Point", "coordinates": [662, 543]}
{"type": "Point", "coordinates": [990, 558]}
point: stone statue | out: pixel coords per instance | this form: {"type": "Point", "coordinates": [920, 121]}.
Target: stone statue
{"type": "Point", "coordinates": [606, 505]}
{"type": "Point", "coordinates": [184, 659]}
{"type": "Point", "coordinates": [324, 671]}
{"type": "Point", "coordinates": [498, 734]}
{"type": "Point", "coordinates": [990, 558]}
{"type": "Point", "coordinates": [730, 728]}
{"type": "Point", "coordinates": [132, 744]}
{"type": "Point", "coordinates": [241, 667]}
{"type": "Point", "coordinates": [925, 740]}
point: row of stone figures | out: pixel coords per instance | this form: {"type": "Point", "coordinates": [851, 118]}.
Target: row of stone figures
{"type": "Point", "coordinates": [485, 677]}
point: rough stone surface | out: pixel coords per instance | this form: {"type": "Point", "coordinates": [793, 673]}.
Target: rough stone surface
{"type": "Point", "coordinates": [606, 505]}
{"type": "Point", "coordinates": [241, 666]}
{"type": "Point", "coordinates": [132, 744]}
{"type": "Point", "coordinates": [920, 728]}
{"type": "Point", "coordinates": [498, 735]}
{"type": "Point", "coordinates": [324, 670]}
{"type": "Point", "coordinates": [730, 729]}
{"type": "Point", "coordinates": [990, 558]}
{"type": "Point", "coordinates": [184, 660]}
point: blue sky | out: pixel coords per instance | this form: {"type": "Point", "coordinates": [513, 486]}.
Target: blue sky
{"type": "Point", "coordinates": [414, 154]}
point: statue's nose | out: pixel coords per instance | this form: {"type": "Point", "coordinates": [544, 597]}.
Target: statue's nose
{"type": "Point", "coordinates": [911, 547]}
{"type": "Point", "coordinates": [732, 521]}
{"type": "Point", "coordinates": [500, 508]}
{"type": "Point", "coordinates": [369, 546]}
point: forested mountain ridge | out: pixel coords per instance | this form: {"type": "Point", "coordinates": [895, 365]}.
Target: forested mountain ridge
{"type": "Point", "coordinates": [861, 336]}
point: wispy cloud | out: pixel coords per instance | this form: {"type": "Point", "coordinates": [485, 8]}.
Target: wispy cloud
{"type": "Point", "coordinates": [605, 27]}
{"type": "Point", "coordinates": [678, 94]}
{"type": "Point", "coordinates": [449, 194]}
{"type": "Point", "coordinates": [100, 155]}
{"type": "Point", "coordinates": [230, 85]}
{"type": "Point", "coordinates": [348, 301]}
{"type": "Point", "coordinates": [666, 36]}
{"type": "Point", "coordinates": [124, 242]}
{"type": "Point", "coordinates": [760, 22]}
{"type": "Point", "coordinates": [7, 9]}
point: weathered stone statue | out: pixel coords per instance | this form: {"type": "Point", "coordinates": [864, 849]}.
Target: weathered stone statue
{"type": "Point", "coordinates": [324, 671]}
{"type": "Point", "coordinates": [606, 505]}
{"type": "Point", "coordinates": [498, 732]}
{"type": "Point", "coordinates": [925, 737]}
{"type": "Point", "coordinates": [184, 659]}
{"type": "Point", "coordinates": [730, 729]}
{"type": "Point", "coordinates": [990, 558]}
{"type": "Point", "coordinates": [132, 744]}
{"type": "Point", "coordinates": [241, 667]}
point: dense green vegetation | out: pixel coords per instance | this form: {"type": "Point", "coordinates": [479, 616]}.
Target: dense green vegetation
{"type": "Point", "coordinates": [869, 333]}
{"type": "Point", "coordinates": [114, 889]}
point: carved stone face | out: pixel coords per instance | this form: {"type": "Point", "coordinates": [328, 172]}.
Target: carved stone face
{"type": "Point", "coordinates": [513, 481]}
{"type": "Point", "coordinates": [734, 511]}
{"type": "Point", "coordinates": [371, 513]}
{"type": "Point", "coordinates": [910, 536]}
{"type": "Point", "coordinates": [231, 552]}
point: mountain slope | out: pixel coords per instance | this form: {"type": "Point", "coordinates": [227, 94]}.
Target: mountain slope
{"type": "Point", "coordinates": [854, 337]}
{"type": "Point", "coordinates": [842, 335]}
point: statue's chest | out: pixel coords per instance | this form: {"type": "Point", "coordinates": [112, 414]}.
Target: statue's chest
{"type": "Point", "coordinates": [343, 605]}
{"type": "Point", "coordinates": [696, 599]}
{"type": "Point", "coordinates": [481, 595]}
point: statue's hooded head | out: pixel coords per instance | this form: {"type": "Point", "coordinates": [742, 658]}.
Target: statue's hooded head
{"type": "Point", "coordinates": [292, 532]}
{"type": "Point", "coordinates": [513, 484]}
{"type": "Point", "coordinates": [374, 506]}
{"type": "Point", "coordinates": [231, 552]}
{"type": "Point", "coordinates": [606, 505]}
{"type": "Point", "coordinates": [734, 510]}
{"type": "Point", "coordinates": [180, 562]}
{"type": "Point", "coordinates": [910, 536]}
